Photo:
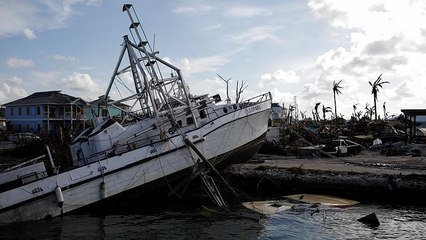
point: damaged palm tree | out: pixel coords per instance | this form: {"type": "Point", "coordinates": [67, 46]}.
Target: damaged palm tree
{"type": "Point", "coordinates": [375, 90]}
{"type": "Point", "coordinates": [316, 111]}
{"type": "Point", "coordinates": [336, 91]}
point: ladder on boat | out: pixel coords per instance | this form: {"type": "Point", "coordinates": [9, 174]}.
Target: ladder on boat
{"type": "Point", "coordinates": [212, 190]}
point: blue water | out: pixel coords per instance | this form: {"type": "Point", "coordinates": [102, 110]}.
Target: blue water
{"type": "Point", "coordinates": [397, 222]}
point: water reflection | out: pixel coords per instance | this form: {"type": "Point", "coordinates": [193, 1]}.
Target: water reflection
{"type": "Point", "coordinates": [240, 223]}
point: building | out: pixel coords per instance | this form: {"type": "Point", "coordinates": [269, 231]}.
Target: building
{"type": "Point", "coordinates": [97, 108]}
{"type": "Point", "coordinates": [46, 112]}
{"type": "Point", "coordinates": [2, 117]}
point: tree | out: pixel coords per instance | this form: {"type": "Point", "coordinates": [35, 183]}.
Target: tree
{"type": "Point", "coordinates": [385, 114]}
{"type": "Point", "coordinates": [325, 110]}
{"type": "Point", "coordinates": [374, 90]}
{"type": "Point", "coordinates": [354, 107]}
{"type": "Point", "coordinates": [336, 91]}
{"type": "Point", "coordinates": [240, 90]}
{"type": "Point", "coordinates": [316, 111]}
{"type": "Point", "coordinates": [368, 111]}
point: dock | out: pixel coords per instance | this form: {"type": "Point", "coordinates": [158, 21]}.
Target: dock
{"type": "Point", "coordinates": [368, 176]}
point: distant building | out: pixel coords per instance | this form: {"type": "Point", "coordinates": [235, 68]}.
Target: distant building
{"type": "Point", "coordinates": [276, 117]}
{"type": "Point", "coordinates": [2, 117]}
{"type": "Point", "coordinates": [97, 108]}
{"type": "Point", "coordinates": [46, 112]}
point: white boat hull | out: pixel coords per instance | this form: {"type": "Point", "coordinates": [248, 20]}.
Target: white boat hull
{"type": "Point", "coordinates": [219, 141]}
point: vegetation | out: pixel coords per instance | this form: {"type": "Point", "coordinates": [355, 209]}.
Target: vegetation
{"type": "Point", "coordinates": [375, 90]}
{"type": "Point", "coordinates": [336, 91]}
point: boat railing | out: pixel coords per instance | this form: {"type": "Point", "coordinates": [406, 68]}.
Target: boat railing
{"type": "Point", "coordinates": [259, 98]}
{"type": "Point", "coordinates": [29, 162]}
{"type": "Point", "coordinates": [208, 113]}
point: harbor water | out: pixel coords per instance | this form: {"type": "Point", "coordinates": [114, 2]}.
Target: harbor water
{"type": "Point", "coordinates": [183, 222]}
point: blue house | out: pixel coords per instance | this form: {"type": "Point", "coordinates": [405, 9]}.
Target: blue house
{"type": "Point", "coordinates": [97, 108]}
{"type": "Point", "coordinates": [46, 112]}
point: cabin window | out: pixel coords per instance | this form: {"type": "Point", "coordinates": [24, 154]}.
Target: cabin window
{"type": "Point", "coordinates": [189, 121]}
{"type": "Point", "coordinates": [225, 110]}
{"type": "Point", "coordinates": [203, 114]}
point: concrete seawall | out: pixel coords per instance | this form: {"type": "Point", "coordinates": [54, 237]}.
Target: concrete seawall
{"type": "Point", "coordinates": [365, 177]}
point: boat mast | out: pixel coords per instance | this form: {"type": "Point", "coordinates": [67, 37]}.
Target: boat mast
{"type": "Point", "coordinates": [157, 95]}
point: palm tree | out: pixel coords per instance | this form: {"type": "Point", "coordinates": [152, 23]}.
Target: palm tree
{"type": "Point", "coordinates": [385, 114]}
{"type": "Point", "coordinates": [325, 110]}
{"type": "Point", "coordinates": [316, 110]}
{"type": "Point", "coordinates": [368, 111]}
{"type": "Point", "coordinates": [354, 107]}
{"type": "Point", "coordinates": [336, 90]}
{"type": "Point", "coordinates": [375, 89]}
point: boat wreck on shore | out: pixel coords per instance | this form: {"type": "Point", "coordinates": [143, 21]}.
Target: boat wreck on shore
{"type": "Point", "coordinates": [167, 136]}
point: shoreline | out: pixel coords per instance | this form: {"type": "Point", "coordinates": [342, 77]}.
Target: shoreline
{"type": "Point", "coordinates": [368, 176]}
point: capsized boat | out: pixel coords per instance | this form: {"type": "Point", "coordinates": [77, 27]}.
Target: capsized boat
{"type": "Point", "coordinates": [298, 201]}
{"type": "Point", "coordinates": [165, 136]}
{"type": "Point", "coordinates": [324, 200]}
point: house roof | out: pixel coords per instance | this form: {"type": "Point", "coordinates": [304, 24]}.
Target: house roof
{"type": "Point", "coordinates": [414, 112]}
{"type": "Point", "coordinates": [49, 97]}
{"type": "Point", "coordinates": [101, 101]}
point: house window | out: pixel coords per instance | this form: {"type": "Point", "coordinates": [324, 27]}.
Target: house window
{"type": "Point", "coordinates": [38, 111]}
{"type": "Point", "coordinates": [28, 111]}
{"type": "Point", "coordinates": [19, 112]}
{"type": "Point", "coordinates": [11, 111]}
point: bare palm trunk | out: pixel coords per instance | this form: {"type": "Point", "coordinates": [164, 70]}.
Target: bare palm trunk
{"type": "Point", "coordinates": [375, 109]}
{"type": "Point", "coordinates": [335, 106]}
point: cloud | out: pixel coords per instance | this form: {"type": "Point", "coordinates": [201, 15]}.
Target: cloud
{"type": "Point", "coordinates": [247, 11]}
{"type": "Point", "coordinates": [80, 82]}
{"type": "Point", "coordinates": [63, 58]}
{"type": "Point", "coordinates": [29, 33]}
{"type": "Point", "coordinates": [256, 34]}
{"type": "Point", "coordinates": [206, 64]}
{"type": "Point", "coordinates": [209, 85]}
{"type": "Point", "coordinates": [196, 10]}
{"type": "Point", "coordinates": [10, 90]}
{"type": "Point", "coordinates": [386, 37]}
{"type": "Point", "coordinates": [19, 63]}
{"type": "Point", "coordinates": [14, 81]}
{"type": "Point", "coordinates": [27, 17]}
{"type": "Point", "coordinates": [279, 77]}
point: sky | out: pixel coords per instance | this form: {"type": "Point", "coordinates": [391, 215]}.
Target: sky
{"type": "Point", "coordinates": [291, 48]}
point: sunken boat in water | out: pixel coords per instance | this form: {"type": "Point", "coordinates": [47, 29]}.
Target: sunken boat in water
{"type": "Point", "coordinates": [167, 134]}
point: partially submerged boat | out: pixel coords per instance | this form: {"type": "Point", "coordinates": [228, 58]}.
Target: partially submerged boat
{"type": "Point", "coordinates": [167, 136]}
{"type": "Point", "coordinates": [296, 201]}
